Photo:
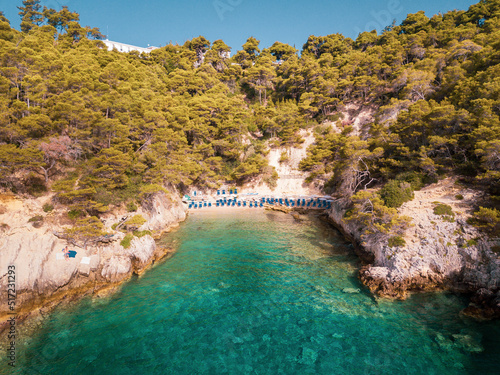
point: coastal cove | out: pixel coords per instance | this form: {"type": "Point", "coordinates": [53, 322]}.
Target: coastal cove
{"type": "Point", "coordinates": [259, 292]}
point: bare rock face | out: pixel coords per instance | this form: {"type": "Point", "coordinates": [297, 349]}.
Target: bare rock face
{"type": "Point", "coordinates": [42, 273]}
{"type": "Point", "coordinates": [439, 252]}
{"type": "Point", "coordinates": [142, 249]}
{"type": "Point", "coordinates": [117, 268]}
{"type": "Point", "coordinates": [163, 211]}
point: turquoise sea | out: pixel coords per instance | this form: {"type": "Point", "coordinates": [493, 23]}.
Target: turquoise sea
{"type": "Point", "coordinates": [258, 293]}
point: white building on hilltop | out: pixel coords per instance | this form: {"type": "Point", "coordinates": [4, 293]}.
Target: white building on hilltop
{"type": "Point", "coordinates": [122, 47]}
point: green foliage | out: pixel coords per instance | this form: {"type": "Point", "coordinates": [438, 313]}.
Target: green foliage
{"type": "Point", "coordinates": [443, 210]}
{"type": "Point", "coordinates": [377, 221]}
{"type": "Point", "coordinates": [117, 127]}
{"type": "Point", "coordinates": [134, 222]}
{"type": "Point", "coordinates": [142, 233]}
{"type": "Point", "coordinates": [472, 242]}
{"type": "Point", "coordinates": [459, 197]}
{"type": "Point", "coordinates": [284, 158]}
{"type": "Point", "coordinates": [396, 241]}
{"type": "Point", "coordinates": [415, 179]}
{"type": "Point", "coordinates": [131, 207]}
{"type": "Point", "coordinates": [395, 193]}
{"type": "Point", "coordinates": [47, 207]}
{"type": "Point", "coordinates": [75, 214]}
{"type": "Point", "coordinates": [126, 241]}
{"type": "Point", "coordinates": [86, 230]}
{"type": "Point", "coordinates": [487, 219]}
{"type": "Point", "coordinates": [147, 191]}
{"type": "Point", "coordinates": [35, 219]}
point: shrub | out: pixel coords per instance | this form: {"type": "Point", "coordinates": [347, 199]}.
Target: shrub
{"type": "Point", "coordinates": [284, 158]}
{"type": "Point", "coordinates": [487, 219]}
{"type": "Point", "coordinates": [395, 193]}
{"type": "Point", "coordinates": [87, 230]}
{"type": "Point", "coordinates": [47, 207]}
{"type": "Point", "coordinates": [396, 241]}
{"type": "Point", "coordinates": [142, 233]}
{"type": "Point", "coordinates": [114, 226]}
{"type": "Point", "coordinates": [75, 214]}
{"type": "Point", "coordinates": [472, 242]}
{"type": "Point", "coordinates": [376, 220]}
{"type": "Point", "coordinates": [415, 179]}
{"type": "Point", "coordinates": [270, 177]}
{"type": "Point", "coordinates": [36, 218]}
{"type": "Point", "coordinates": [127, 240]}
{"type": "Point", "coordinates": [147, 191]}
{"type": "Point", "coordinates": [131, 207]}
{"type": "Point", "coordinates": [443, 210]}
{"type": "Point", "coordinates": [459, 197]}
{"type": "Point", "coordinates": [134, 222]}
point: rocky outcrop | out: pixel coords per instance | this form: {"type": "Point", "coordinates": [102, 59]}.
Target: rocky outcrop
{"type": "Point", "coordinates": [43, 277]}
{"type": "Point", "coordinates": [440, 252]}
{"type": "Point", "coordinates": [163, 212]}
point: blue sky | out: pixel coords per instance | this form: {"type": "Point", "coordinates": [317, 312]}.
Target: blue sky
{"type": "Point", "coordinates": [157, 22]}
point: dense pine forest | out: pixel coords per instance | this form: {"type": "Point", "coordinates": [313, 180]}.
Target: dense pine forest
{"type": "Point", "coordinates": [102, 128]}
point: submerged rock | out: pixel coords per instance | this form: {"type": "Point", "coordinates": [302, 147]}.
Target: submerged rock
{"type": "Point", "coordinates": [351, 290]}
{"type": "Point", "coordinates": [467, 343]}
{"type": "Point", "coordinates": [307, 357]}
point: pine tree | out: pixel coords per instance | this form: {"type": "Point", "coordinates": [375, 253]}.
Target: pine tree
{"type": "Point", "coordinates": [30, 15]}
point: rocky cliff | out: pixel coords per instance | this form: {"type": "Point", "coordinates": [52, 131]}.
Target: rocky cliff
{"type": "Point", "coordinates": [44, 278]}
{"type": "Point", "coordinates": [440, 252]}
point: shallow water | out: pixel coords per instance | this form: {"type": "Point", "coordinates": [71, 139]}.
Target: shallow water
{"type": "Point", "coordinates": [259, 293]}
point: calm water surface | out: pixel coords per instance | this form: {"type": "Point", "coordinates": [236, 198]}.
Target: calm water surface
{"type": "Point", "coordinates": [258, 293]}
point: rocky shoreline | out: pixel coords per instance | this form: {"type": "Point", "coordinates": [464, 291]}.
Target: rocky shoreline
{"type": "Point", "coordinates": [439, 254]}
{"type": "Point", "coordinates": [43, 281]}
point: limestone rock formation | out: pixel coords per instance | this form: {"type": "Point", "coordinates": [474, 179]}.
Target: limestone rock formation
{"type": "Point", "coordinates": [439, 252]}
{"type": "Point", "coordinates": [43, 274]}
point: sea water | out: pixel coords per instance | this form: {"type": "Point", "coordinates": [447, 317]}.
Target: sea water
{"type": "Point", "coordinates": [258, 293]}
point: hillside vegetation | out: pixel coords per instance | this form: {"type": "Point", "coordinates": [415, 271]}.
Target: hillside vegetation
{"type": "Point", "coordinates": [103, 128]}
